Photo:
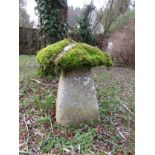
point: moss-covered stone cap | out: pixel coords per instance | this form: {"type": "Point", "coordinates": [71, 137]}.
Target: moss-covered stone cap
{"type": "Point", "coordinates": [68, 54]}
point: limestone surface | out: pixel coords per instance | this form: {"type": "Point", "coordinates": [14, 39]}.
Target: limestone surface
{"type": "Point", "coordinates": [76, 98]}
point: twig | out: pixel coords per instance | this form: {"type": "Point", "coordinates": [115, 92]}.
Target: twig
{"type": "Point", "coordinates": [92, 152]}
{"type": "Point", "coordinates": [118, 129]}
{"type": "Point", "coordinates": [25, 152]}
{"type": "Point", "coordinates": [38, 81]}
{"type": "Point", "coordinates": [127, 109]}
{"type": "Point", "coordinates": [67, 150]}
{"type": "Point", "coordinates": [78, 149]}
{"type": "Point", "coordinates": [20, 145]}
{"type": "Point", "coordinates": [28, 134]}
{"type": "Point", "coordinates": [51, 126]}
{"type": "Point", "coordinates": [108, 153]}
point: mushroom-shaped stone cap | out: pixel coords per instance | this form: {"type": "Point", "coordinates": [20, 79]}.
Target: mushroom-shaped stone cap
{"type": "Point", "coordinates": [68, 54]}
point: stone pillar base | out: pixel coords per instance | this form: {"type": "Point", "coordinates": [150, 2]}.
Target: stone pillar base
{"type": "Point", "coordinates": [76, 99]}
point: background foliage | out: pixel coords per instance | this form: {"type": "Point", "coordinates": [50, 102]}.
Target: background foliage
{"type": "Point", "coordinates": [83, 31]}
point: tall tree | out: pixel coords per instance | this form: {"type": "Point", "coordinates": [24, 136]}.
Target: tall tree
{"type": "Point", "coordinates": [53, 19]}
{"type": "Point", "coordinates": [121, 6]}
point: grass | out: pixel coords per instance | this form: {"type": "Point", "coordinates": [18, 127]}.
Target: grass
{"type": "Point", "coordinates": [39, 132]}
{"type": "Point", "coordinates": [27, 66]}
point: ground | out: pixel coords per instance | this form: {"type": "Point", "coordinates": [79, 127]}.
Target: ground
{"type": "Point", "coordinates": [39, 132]}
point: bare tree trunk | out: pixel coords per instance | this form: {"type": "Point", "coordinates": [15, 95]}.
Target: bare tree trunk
{"type": "Point", "coordinates": [108, 22]}
{"type": "Point", "coordinates": [109, 18]}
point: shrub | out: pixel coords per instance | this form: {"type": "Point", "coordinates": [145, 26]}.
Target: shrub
{"type": "Point", "coordinates": [83, 32]}
{"type": "Point", "coordinates": [123, 51]}
{"type": "Point", "coordinates": [121, 21]}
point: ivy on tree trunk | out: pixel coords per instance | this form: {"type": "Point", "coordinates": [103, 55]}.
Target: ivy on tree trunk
{"type": "Point", "coordinates": [53, 19]}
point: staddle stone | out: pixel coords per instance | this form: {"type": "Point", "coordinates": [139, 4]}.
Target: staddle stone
{"type": "Point", "coordinates": [76, 99]}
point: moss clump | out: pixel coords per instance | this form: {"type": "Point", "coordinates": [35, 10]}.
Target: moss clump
{"type": "Point", "coordinates": [46, 56]}
{"type": "Point", "coordinates": [80, 55]}
{"type": "Point", "coordinates": [83, 55]}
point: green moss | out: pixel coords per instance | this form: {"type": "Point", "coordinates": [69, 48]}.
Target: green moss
{"type": "Point", "coordinates": [80, 55]}
{"type": "Point", "coordinates": [46, 56]}
{"type": "Point", "coordinates": [83, 55]}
